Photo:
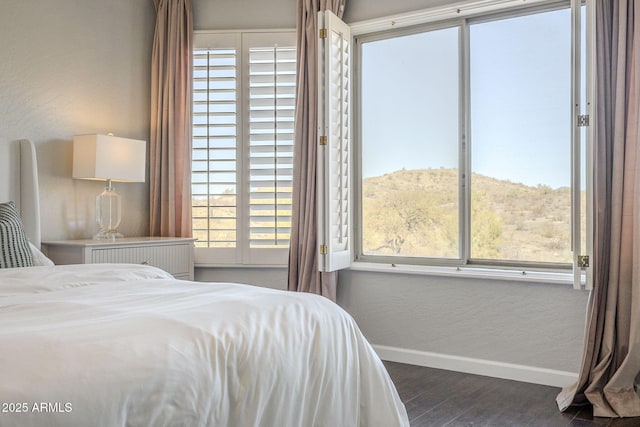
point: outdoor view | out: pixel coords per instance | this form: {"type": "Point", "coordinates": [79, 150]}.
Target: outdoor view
{"type": "Point", "coordinates": [428, 137]}
{"type": "Point", "coordinates": [518, 141]}
{"type": "Point", "coordinates": [411, 213]}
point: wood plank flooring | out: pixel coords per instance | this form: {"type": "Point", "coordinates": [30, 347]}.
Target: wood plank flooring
{"type": "Point", "coordinates": [435, 397]}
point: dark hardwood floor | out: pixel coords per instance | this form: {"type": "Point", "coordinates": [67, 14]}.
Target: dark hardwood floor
{"type": "Point", "coordinates": [435, 397]}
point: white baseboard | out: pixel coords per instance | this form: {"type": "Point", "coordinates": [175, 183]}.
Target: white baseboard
{"type": "Point", "coordinates": [509, 371]}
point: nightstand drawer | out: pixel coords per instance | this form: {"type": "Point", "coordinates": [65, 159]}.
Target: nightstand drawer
{"type": "Point", "coordinates": [174, 259]}
{"type": "Point", "coordinates": [172, 254]}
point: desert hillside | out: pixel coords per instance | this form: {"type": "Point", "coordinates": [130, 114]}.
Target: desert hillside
{"type": "Point", "coordinates": [415, 213]}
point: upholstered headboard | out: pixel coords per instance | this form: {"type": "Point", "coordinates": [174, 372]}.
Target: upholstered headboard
{"type": "Point", "coordinates": [19, 182]}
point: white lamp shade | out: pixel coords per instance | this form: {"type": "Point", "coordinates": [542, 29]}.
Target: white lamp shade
{"type": "Point", "coordinates": [104, 157]}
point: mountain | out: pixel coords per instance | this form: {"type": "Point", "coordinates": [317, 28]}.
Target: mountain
{"type": "Point", "coordinates": [415, 213]}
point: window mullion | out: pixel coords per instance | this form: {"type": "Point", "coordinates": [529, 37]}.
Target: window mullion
{"type": "Point", "coordinates": [465, 145]}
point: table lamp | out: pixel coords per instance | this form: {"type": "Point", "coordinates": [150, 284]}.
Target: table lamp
{"type": "Point", "coordinates": [108, 158]}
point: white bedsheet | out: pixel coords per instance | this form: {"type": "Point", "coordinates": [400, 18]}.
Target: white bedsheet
{"type": "Point", "coordinates": [115, 345]}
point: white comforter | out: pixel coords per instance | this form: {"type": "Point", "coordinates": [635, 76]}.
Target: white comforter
{"type": "Point", "coordinates": [123, 345]}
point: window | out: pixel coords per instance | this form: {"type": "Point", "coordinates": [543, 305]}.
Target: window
{"type": "Point", "coordinates": [242, 158]}
{"type": "Point", "coordinates": [465, 151]}
{"type": "Point", "coordinates": [410, 111]}
{"type": "Point", "coordinates": [520, 109]}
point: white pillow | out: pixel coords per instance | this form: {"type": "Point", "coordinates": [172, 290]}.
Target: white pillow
{"type": "Point", "coordinates": [38, 257]}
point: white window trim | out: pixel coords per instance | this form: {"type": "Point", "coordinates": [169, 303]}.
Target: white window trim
{"type": "Point", "coordinates": [202, 34]}
{"type": "Point", "coordinates": [560, 277]}
{"type": "Point", "coordinates": [468, 9]}
{"type": "Point", "coordinates": [462, 9]}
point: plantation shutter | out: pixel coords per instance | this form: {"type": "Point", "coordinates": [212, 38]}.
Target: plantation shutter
{"type": "Point", "coordinates": [215, 162]}
{"type": "Point", "coordinates": [271, 104]}
{"type": "Point", "coordinates": [242, 158]}
{"type": "Point", "coordinates": [334, 203]}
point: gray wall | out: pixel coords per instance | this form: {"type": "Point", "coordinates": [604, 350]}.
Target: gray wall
{"type": "Point", "coordinates": [274, 278]}
{"type": "Point", "coordinates": [69, 67]}
{"type": "Point", "coordinates": [243, 14]}
{"type": "Point", "coordinates": [255, 14]}
{"type": "Point", "coordinates": [530, 324]}
{"type": "Point", "coordinates": [359, 10]}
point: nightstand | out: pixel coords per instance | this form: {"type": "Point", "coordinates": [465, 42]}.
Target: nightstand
{"type": "Point", "coordinates": [172, 254]}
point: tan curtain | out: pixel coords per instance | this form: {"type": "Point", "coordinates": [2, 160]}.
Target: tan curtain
{"type": "Point", "coordinates": [170, 138]}
{"type": "Point", "coordinates": [303, 263]}
{"type": "Point", "coordinates": [611, 360]}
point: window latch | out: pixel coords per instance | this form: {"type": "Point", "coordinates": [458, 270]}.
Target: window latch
{"type": "Point", "coordinates": [583, 120]}
{"type": "Point", "coordinates": [583, 261]}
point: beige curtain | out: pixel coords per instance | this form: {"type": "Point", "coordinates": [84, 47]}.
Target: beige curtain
{"type": "Point", "coordinates": [170, 138]}
{"type": "Point", "coordinates": [610, 370]}
{"type": "Point", "coordinates": [303, 263]}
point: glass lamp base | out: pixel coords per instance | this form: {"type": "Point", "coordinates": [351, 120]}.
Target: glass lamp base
{"type": "Point", "coordinates": [108, 235]}
{"type": "Point", "coordinates": [108, 213]}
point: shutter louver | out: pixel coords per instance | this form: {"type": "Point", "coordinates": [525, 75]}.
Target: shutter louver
{"type": "Point", "coordinates": [214, 153]}
{"type": "Point", "coordinates": [272, 80]}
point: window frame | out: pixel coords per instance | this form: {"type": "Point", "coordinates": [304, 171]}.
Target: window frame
{"type": "Point", "coordinates": [357, 120]}
{"type": "Point", "coordinates": [463, 17]}
{"type": "Point", "coordinates": [242, 255]}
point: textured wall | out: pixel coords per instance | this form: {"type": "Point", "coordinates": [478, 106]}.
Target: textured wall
{"type": "Point", "coordinates": [529, 324]}
{"type": "Point", "coordinates": [70, 67]}
{"type": "Point", "coordinates": [275, 278]}
{"type": "Point", "coordinates": [359, 10]}
{"type": "Point", "coordinates": [243, 14]}
{"type": "Point", "coordinates": [254, 14]}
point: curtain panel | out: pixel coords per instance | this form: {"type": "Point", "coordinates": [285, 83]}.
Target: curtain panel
{"type": "Point", "coordinates": [170, 136]}
{"type": "Point", "coordinates": [303, 249]}
{"type": "Point", "coordinates": [610, 370]}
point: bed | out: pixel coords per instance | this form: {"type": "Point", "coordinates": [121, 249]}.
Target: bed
{"type": "Point", "coordinates": [129, 345]}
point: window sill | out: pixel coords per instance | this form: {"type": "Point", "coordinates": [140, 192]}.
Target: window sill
{"type": "Point", "coordinates": [219, 265]}
{"type": "Point", "coordinates": [472, 272]}
{"type": "Point", "coordinates": [558, 277]}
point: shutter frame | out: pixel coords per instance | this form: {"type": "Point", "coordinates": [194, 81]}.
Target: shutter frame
{"type": "Point", "coordinates": [269, 105]}
{"type": "Point", "coordinates": [233, 154]}
{"type": "Point", "coordinates": [217, 145]}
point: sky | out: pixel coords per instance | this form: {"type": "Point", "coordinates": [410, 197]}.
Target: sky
{"type": "Point", "coordinates": [520, 94]}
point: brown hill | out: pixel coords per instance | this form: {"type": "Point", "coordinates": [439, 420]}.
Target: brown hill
{"type": "Point", "coordinates": [415, 213]}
